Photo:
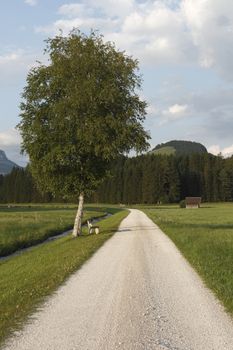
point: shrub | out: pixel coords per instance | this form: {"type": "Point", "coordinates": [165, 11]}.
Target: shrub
{"type": "Point", "coordinates": [182, 204]}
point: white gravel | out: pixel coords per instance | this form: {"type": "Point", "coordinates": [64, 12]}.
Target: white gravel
{"type": "Point", "coordinates": [136, 292]}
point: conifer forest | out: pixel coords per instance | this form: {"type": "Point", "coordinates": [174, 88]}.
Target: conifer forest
{"type": "Point", "coordinates": [147, 179]}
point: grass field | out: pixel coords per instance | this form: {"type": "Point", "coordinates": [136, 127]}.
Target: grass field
{"type": "Point", "coordinates": [205, 237]}
{"type": "Point", "coordinates": [23, 226]}
{"type": "Point", "coordinates": [26, 280]}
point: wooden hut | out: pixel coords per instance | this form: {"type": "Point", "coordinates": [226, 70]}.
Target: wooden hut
{"type": "Point", "coordinates": [192, 202]}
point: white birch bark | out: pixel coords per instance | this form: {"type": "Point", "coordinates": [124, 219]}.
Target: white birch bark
{"type": "Point", "coordinates": [77, 230]}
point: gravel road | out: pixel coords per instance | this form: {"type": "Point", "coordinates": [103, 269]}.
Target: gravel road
{"type": "Point", "coordinates": [136, 292]}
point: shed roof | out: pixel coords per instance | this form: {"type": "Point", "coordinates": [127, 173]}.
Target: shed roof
{"type": "Point", "coordinates": [193, 200]}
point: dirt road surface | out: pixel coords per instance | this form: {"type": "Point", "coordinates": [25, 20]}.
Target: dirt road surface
{"type": "Point", "coordinates": [136, 292]}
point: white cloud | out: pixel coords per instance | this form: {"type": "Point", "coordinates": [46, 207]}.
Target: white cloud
{"type": "Point", "coordinates": [210, 23]}
{"type": "Point", "coordinates": [108, 8]}
{"type": "Point", "coordinates": [9, 138]}
{"type": "Point", "coordinates": [158, 32]}
{"type": "Point", "coordinates": [10, 57]}
{"type": "Point", "coordinates": [152, 31]}
{"type": "Point", "coordinates": [112, 8]}
{"type": "Point", "coordinates": [174, 112]}
{"type": "Point", "coordinates": [171, 114]}
{"type": "Point", "coordinates": [74, 10]}
{"type": "Point", "coordinates": [177, 109]}
{"type": "Point", "coordinates": [17, 63]}
{"type": "Point", "coordinates": [228, 151]}
{"type": "Point", "coordinates": [31, 2]}
{"type": "Point", "coordinates": [66, 25]}
{"type": "Point", "coordinates": [216, 149]}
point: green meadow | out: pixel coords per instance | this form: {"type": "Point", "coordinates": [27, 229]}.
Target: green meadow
{"type": "Point", "coordinates": [24, 226]}
{"type": "Point", "coordinates": [205, 238]}
{"type": "Point", "coordinates": [27, 279]}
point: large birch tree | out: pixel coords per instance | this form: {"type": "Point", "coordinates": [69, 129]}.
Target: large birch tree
{"type": "Point", "coordinates": [79, 112]}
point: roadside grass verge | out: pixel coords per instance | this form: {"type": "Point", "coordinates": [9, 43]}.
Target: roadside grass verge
{"type": "Point", "coordinates": [205, 238]}
{"type": "Point", "coordinates": [22, 227]}
{"type": "Point", "coordinates": [26, 280]}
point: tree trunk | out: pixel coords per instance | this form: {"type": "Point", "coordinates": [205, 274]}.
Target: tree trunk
{"type": "Point", "coordinates": [77, 230]}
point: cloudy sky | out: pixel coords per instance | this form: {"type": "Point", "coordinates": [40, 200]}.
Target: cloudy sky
{"type": "Point", "coordinates": [185, 50]}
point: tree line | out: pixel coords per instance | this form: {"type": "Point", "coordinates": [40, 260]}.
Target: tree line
{"type": "Point", "coordinates": [145, 179]}
{"type": "Point", "coordinates": [168, 179]}
{"type": "Point", "coordinates": [19, 187]}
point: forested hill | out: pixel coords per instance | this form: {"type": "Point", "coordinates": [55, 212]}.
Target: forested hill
{"type": "Point", "coordinates": [6, 165]}
{"type": "Point", "coordinates": [178, 148]}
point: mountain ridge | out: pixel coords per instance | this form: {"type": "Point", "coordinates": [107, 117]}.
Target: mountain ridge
{"type": "Point", "coordinates": [179, 147]}
{"type": "Point", "coordinates": [6, 165]}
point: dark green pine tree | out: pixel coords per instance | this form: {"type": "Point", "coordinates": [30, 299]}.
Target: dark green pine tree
{"type": "Point", "coordinates": [218, 165]}
{"type": "Point", "coordinates": [147, 176]}
{"type": "Point", "coordinates": [174, 181]}
{"type": "Point", "coordinates": [128, 186]}
{"type": "Point", "coordinates": [226, 185]}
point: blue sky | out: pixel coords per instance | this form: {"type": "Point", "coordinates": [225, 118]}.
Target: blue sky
{"type": "Point", "coordinates": [185, 50]}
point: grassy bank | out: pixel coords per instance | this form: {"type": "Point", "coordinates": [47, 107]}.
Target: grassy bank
{"type": "Point", "coordinates": [205, 237]}
{"type": "Point", "coordinates": [25, 280]}
{"type": "Point", "coordinates": [24, 226]}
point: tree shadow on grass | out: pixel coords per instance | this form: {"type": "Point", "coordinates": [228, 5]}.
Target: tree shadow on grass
{"type": "Point", "coordinates": [131, 229]}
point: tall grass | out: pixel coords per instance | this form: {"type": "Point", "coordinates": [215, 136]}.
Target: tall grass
{"type": "Point", "coordinates": [205, 237]}
{"type": "Point", "coordinates": [25, 280]}
{"type": "Point", "coordinates": [21, 227]}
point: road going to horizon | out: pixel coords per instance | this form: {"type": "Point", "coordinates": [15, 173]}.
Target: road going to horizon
{"type": "Point", "coordinates": [136, 292]}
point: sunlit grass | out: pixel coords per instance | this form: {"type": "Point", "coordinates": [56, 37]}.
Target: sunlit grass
{"type": "Point", "coordinates": [205, 237]}
{"type": "Point", "coordinates": [25, 280]}
{"type": "Point", "coordinates": [24, 226]}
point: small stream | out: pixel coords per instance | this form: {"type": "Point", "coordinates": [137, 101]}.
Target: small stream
{"type": "Point", "coordinates": [53, 238]}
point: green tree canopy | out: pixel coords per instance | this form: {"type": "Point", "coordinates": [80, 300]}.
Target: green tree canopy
{"type": "Point", "coordinates": [79, 112]}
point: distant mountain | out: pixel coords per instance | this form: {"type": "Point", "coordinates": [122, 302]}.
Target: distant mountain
{"type": "Point", "coordinates": [177, 147]}
{"type": "Point", "coordinates": [6, 165]}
